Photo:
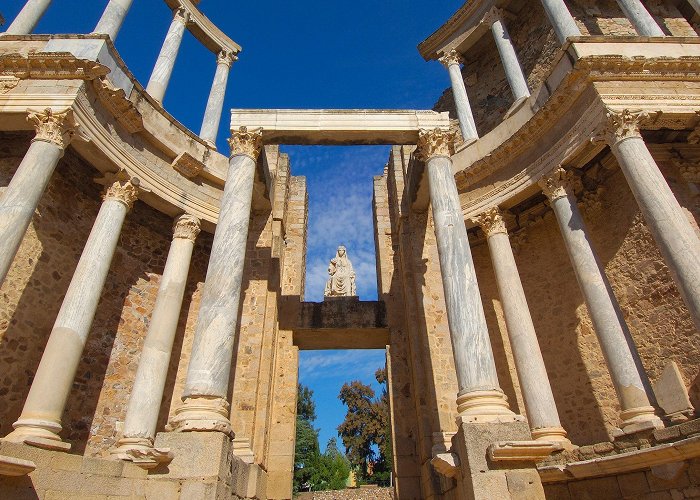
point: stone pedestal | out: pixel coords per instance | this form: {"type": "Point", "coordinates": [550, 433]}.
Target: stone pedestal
{"type": "Point", "coordinates": [163, 69]}
{"type": "Point", "coordinates": [215, 103]}
{"type": "Point", "coordinates": [451, 61]}
{"type": "Point", "coordinates": [640, 18]}
{"type": "Point", "coordinates": [112, 18]}
{"type": "Point", "coordinates": [28, 17]}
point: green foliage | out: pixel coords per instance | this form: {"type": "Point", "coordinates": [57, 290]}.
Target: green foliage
{"type": "Point", "coordinates": [306, 408]}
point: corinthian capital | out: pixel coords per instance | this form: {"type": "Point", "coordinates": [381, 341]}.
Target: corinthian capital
{"type": "Point", "coordinates": [181, 14]}
{"type": "Point", "coordinates": [52, 126]}
{"type": "Point", "coordinates": [619, 125]}
{"type": "Point", "coordinates": [491, 222]}
{"type": "Point", "coordinates": [244, 142]}
{"type": "Point", "coordinates": [494, 14]}
{"type": "Point", "coordinates": [558, 184]}
{"type": "Point", "coordinates": [225, 57]}
{"type": "Point", "coordinates": [436, 142]}
{"type": "Point", "coordinates": [120, 186]}
{"type": "Point", "coordinates": [186, 227]}
{"type": "Point", "coordinates": [452, 57]}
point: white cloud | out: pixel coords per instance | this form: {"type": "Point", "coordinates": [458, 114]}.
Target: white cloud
{"type": "Point", "coordinates": [317, 366]}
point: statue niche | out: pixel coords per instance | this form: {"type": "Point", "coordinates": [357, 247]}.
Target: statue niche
{"type": "Point", "coordinates": [342, 276]}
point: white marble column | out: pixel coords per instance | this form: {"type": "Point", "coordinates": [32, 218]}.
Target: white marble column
{"type": "Point", "coordinates": [562, 21]}
{"type": "Point", "coordinates": [695, 4]}
{"type": "Point", "coordinates": [19, 200]}
{"type": "Point", "coordinates": [136, 443]}
{"type": "Point", "coordinates": [542, 412]}
{"type": "Point", "coordinates": [112, 18]}
{"type": "Point", "coordinates": [640, 18]}
{"type": "Point", "coordinates": [205, 406]}
{"type": "Point", "coordinates": [480, 398]}
{"type": "Point", "coordinates": [613, 335]}
{"type": "Point", "coordinates": [163, 69]}
{"type": "Point", "coordinates": [40, 421]}
{"type": "Point", "coordinates": [452, 61]}
{"type": "Point", "coordinates": [215, 104]}
{"type": "Point", "coordinates": [511, 65]}
{"type": "Point", "coordinates": [28, 17]}
{"type": "Point", "coordinates": [669, 225]}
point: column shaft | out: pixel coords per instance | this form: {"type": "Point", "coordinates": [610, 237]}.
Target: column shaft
{"type": "Point", "coordinates": [215, 103]}
{"type": "Point", "coordinates": [28, 17]}
{"type": "Point", "coordinates": [163, 69]}
{"type": "Point", "coordinates": [112, 18]}
{"type": "Point", "coordinates": [464, 110]}
{"type": "Point", "coordinates": [695, 4]}
{"type": "Point", "coordinates": [514, 73]}
{"type": "Point", "coordinates": [640, 18]}
{"type": "Point", "coordinates": [561, 19]}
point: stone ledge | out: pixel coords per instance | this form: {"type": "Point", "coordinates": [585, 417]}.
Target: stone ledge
{"type": "Point", "coordinates": [11, 466]}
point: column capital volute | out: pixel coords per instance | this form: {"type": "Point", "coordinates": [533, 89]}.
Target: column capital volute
{"type": "Point", "coordinates": [450, 58]}
{"type": "Point", "coordinates": [226, 57]}
{"type": "Point", "coordinates": [620, 125]}
{"type": "Point", "coordinates": [435, 142]}
{"type": "Point", "coordinates": [491, 222]}
{"type": "Point", "coordinates": [246, 142]}
{"type": "Point", "coordinates": [120, 186]}
{"type": "Point", "coordinates": [492, 15]}
{"type": "Point", "coordinates": [558, 184]}
{"type": "Point", "coordinates": [186, 227]}
{"type": "Point", "coordinates": [55, 127]}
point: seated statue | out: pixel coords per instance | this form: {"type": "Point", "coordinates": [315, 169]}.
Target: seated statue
{"type": "Point", "coordinates": [342, 280]}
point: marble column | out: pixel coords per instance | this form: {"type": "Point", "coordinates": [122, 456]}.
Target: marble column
{"type": "Point", "coordinates": [542, 412]}
{"type": "Point", "coordinates": [142, 412]}
{"type": "Point", "coordinates": [480, 398]}
{"type": "Point", "coordinates": [561, 19]}
{"type": "Point", "coordinates": [112, 18]}
{"type": "Point", "coordinates": [613, 335]}
{"type": "Point", "coordinates": [205, 406]}
{"type": "Point", "coordinates": [40, 421]}
{"type": "Point", "coordinates": [669, 225]}
{"type": "Point", "coordinates": [640, 18]}
{"type": "Point", "coordinates": [54, 130]}
{"type": "Point", "coordinates": [511, 65]}
{"type": "Point", "coordinates": [452, 61]}
{"type": "Point", "coordinates": [215, 104]}
{"type": "Point", "coordinates": [28, 17]}
{"type": "Point", "coordinates": [163, 69]}
{"type": "Point", "coordinates": [695, 4]}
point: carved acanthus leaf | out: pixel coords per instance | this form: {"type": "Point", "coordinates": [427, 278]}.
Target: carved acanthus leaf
{"type": "Point", "coordinates": [56, 127]}
{"type": "Point", "coordinates": [115, 100]}
{"type": "Point", "coordinates": [226, 57]}
{"type": "Point", "coordinates": [491, 222]}
{"type": "Point", "coordinates": [452, 57]}
{"type": "Point", "coordinates": [120, 186]}
{"type": "Point", "coordinates": [558, 184]}
{"type": "Point", "coordinates": [620, 125]}
{"type": "Point", "coordinates": [187, 227]}
{"type": "Point", "coordinates": [436, 142]}
{"type": "Point", "coordinates": [7, 83]}
{"type": "Point", "coordinates": [245, 142]}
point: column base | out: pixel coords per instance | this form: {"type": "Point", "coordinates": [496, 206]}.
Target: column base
{"type": "Point", "coordinates": [553, 435]}
{"type": "Point", "coordinates": [485, 406]}
{"type": "Point", "coordinates": [142, 452]}
{"type": "Point", "coordinates": [39, 433]}
{"type": "Point", "coordinates": [202, 414]}
{"type": "Point", "coordinates": [639, 419]}
{"type": "Point", "coordinates": [243, 450]}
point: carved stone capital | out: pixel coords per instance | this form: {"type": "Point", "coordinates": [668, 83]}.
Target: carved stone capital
{"type": "Point", "coordinates": [51, 126]}
{"type": "Point", "coordinates": [244, 142]}
{"type": "Point", "coordinates": [558, 184]}
{"type": "Point", "coordinates": [436, 142]}
{"type": "Point", "coordinates": [187, 227]}
{"type": "Point", "coordinates": [180, 14]}
{"type": "Point", "coordinates": [226, 57]}
{"type": "Point", "coordinates": [491, 222]}
{"type": "Point", "coordinates": [452, 57]}
{"type": "Point", "coordinates": [494, 14]}
{"type": "Point", "coordinates": [622, 125]}
{"type": "Point", "coordinates": [121, 187]}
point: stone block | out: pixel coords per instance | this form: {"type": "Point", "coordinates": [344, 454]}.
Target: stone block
{"type": "Point", "coordinates": [605, 488]}
{"type": "Point", "coordinates": [690, 428]}
{"type": "Point", "coordinates": [633, 484]}
{"type": "Point", "coordinates": [162, 490]}
{"type": "Point", "coordinates": [671, 393]}
{"type": "Point", "coordinates": [667, 434]}
{"type": "Point", "coordinates": [667, 476]}
{"type": "Point", "coordinates": [557, 492]}
{"type": "Point", "coordinates": [524, 484]}
{"type": "Point", "coordinates": [196, 454]}
{"type": "Point", "coordinates": [102, 467]}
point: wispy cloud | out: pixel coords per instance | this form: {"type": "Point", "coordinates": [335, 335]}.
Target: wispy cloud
{"type": "Point", "coordinates": [315, 366]}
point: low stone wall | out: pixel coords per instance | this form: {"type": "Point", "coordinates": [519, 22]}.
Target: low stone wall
{"type": "Point", "coordinates": [350, 494]}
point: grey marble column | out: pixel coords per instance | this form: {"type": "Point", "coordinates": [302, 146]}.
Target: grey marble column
{"type": "Point", "coordinates": [542, 412]}
{"type": "Point", "coordinates": [28, 17]}
{"type": "Point", "coordinates": [451, 61]}
{"type": "Point", "coordinates": [695, 4]}
{"type": "Point", "coordinates": [480, 398]}
{"type": "Point", "coordinates": [112, 18]}
{"type": "Point", "coordinates": [669, 225]}
{"type": "Point", "coordinates": [163, 69]}
{"type": "Point", "coordinates": [613, 335]}
{"type": "Point", "coordinates": [561, 19]}
{"type": "Point", "coordinates": [136, 443]}
{"type": "Point", "coordinates": [21, 197]}
{"type": "Point", "coordinates": [205, 406]}
{"type": "Point", "coordinates": [40, 421]}
{"type": "Point", "coordinates": [640, 18]}
{"type": "Point", "coordinates": [215, 104]}
{"type": "Point", "coordinates": [511, 65]}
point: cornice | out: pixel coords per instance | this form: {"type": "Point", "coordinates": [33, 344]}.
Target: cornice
{"type": "Point", "coordinates": [50, 66]}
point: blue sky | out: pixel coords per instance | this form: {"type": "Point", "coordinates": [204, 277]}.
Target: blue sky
{"type": "Point", "coordinates": [301, 54]}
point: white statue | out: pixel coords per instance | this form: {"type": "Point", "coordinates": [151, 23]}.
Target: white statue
{"type": "Point", "coordinates": [342, 280]}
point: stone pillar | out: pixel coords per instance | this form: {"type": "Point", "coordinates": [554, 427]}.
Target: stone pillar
{"type": "Point", "coordinates": [112, 18]}
{"type": "Point", "coordinates": [542, 412]}
{"type": "Point", "coordinates": [451, 61]}
{"type": "Point", "coordinates": [163, 69]}
{"type": "Point", "coordinates": [675, 236]}
{"type": "Point", "coordinates": [614, 337]}
{"type": "Point", "coordinates": [480, 397]}
{"type": "Point", "coordinates": [640, 18]}
{"type": "Point", "coordinates": [215, 104]}
{"type": "Point", "coordinates": [205, 407]}
{"type": "Point", "coordinates": [28, 17]}
{"type": "Point", "coordinates": [40, 421]}
{"type": "Point", "coordinates": [21, 197]}
{"type": "Point", "coordinates": [695, 4]}
{"type": "Point", "coordinates": [141, 419]}
{"type": "Point", "coordinates": [511, 65]}
{"type": "Point", "coordinates": [561, 19]}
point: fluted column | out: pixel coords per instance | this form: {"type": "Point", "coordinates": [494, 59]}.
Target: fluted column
{"type": "Point", "coordinates": [542, 412]}
{"type": "Point", "coordinates": [561, 19]}
{"type": "Point", "coordinates": [215, 103]}
{"type": "Point", "coordinates": [112, 18]}
{"type": "Point", "coordinates": [613, 335]}
{"type": "Point", "coordinates": [675, 236]}
{"type": "Point", "coordinates": [141, 419]}
{"type": "Point", "coordinates": [480, 397]}
{"type": "Point", "coordinates": [54, 130]}
{"type": "Point", "coordinates": [28, 17]}
{"type": "Point", "coordinates": [451, 61]}
{"type": "Point", "coordinates": [511, 65]}
{"type": "Point", "coordinates": [40, 421]}
{"type": "Point", "coordinates": [163, 69]}
{"type": "Point", "coordinates": [640, 18]}
{"type": "Point", "coordinates": [205, 406]}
